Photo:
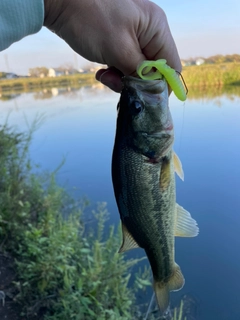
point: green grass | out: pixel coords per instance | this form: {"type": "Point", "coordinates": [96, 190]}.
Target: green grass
{"type": "Point", "coordinates": [65, 268]}
{"type": "Point", "coordinates": [212, 75]}
{"type": "Point", "coordinates": [30, 84]}
{"type": "Point", "coordinates": [199, 79]}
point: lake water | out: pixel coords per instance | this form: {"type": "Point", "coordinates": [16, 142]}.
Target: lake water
{"type": "Point", "coordinates": [80, 127]}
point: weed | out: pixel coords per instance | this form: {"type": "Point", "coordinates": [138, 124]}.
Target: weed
{"type": "Point", "coordinates": [63, 271]}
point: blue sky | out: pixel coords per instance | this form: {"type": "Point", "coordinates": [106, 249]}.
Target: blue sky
{"type": "Point", "coordinates": [199, 28]}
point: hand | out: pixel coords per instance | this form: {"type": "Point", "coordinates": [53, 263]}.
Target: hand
{"type": "Point", "coordinates": [118, 33]}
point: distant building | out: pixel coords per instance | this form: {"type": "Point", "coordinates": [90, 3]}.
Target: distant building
{"type": "Point", "coordinates": [192, 62]}
{"type": "Point", "coordinates": [186, 63]}
{"type": "Point", "coordinates": [71, 71]}
{"type": "Point", "coordinates": [10, 75]}
{"type": "Point", "coordinates": [56, 72]}
{"type": "Point", "coordinates": [199, 61]}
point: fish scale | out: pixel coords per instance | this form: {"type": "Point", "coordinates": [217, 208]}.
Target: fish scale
{"type": "Point", "coordinates": [139, 197]}
{"type": "Point", "coordinates": [143, 165]}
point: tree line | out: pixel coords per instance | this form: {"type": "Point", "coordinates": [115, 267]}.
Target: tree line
{"type": "Point", "coordinates": [223, 58]}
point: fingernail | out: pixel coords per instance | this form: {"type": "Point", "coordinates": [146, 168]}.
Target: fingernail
{"type": "Point", "coordinates": [102, 76]}
{"type": "Point", "coordinates": [110, 81]}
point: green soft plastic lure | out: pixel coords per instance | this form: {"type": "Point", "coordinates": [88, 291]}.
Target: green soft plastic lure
{"type": "Point", "coordinates": [145, 72]}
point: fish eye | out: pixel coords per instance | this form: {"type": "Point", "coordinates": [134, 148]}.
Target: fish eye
{"type": "Point", "coordinates": [136, 106]}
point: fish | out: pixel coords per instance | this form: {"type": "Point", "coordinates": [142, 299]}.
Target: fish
{"type": "Point", "coordinates": [143, 176]}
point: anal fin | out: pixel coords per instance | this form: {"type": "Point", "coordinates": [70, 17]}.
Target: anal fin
{"type": "Point", "coordinates": [128, 240]}
{"type": "Point", "coordinates": [186, 226]}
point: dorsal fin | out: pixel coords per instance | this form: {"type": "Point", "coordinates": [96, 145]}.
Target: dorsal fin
{"type": "Point", "coordinates": [128, 240]}
{"type": "Point", "coordinates": [186, 226]}
{"type": "Point", "coordinates": [178, 166]}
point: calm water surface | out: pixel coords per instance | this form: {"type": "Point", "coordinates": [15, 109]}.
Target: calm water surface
{"type": "Point", "coordinates": [80, 126]}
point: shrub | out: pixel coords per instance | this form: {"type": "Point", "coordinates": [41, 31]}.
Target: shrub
{"type": "Point", "coordinates": [64, 271]}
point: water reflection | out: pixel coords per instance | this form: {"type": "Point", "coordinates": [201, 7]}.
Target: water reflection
{"type": "Point", "coordinates": [8, 96]}
{"type": "Point", "coordinates": [194, 93]}
{"type": "Point", "coordinates": [80, 125]}
{"type": "Point", "coordinates": [55, 92]}
{"type": "Point", "coordinates": [51, 92]}
{"type": "Point", "coordinates": [230, 92]}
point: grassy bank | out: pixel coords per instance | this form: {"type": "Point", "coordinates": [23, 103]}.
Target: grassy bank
{"type": "Point", "coordinates": [32, 84]}
{"type": "Point", "coordinates": [60, 267]}
{"type": "Point", "coordinates": [62, 270]}
{"type": "Point", "coordinates": [209, 75]}
{"type": "Point", "coordinates": [206, 75]}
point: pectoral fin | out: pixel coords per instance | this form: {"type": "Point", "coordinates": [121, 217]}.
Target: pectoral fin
{"type": "Point", "coordinates": [128, 240]}
{"type": "Point", "coordinates": [178, 166]}
{"type": "Point", "coordinates": [186, 226]}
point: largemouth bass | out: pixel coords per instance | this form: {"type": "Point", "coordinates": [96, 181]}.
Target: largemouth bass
{"type": "Point", "coordinates": [143, 166]}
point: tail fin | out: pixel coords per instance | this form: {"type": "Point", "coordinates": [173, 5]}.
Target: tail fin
{"type": "Point", "coordinates": [162, 290]}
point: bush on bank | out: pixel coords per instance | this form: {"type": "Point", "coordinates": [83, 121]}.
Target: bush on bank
{"type": "Point", "coordinates": [64, 270]}
{"type": "Point", "coordinates": [212, 75]}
